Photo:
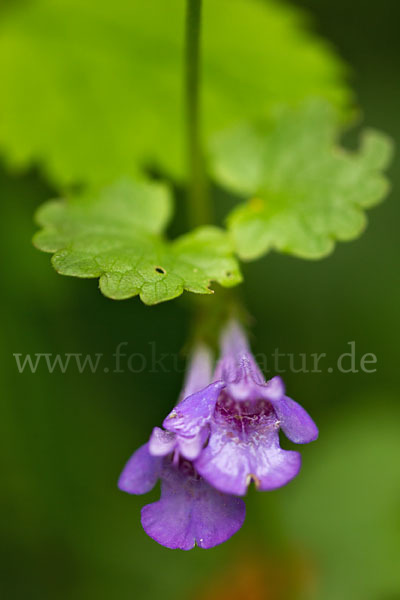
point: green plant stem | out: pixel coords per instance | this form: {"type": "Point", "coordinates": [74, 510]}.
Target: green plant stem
{"type": "Point", "coordinates": [209, 315]}
{"type": "Point", "coordinates": [198, 202]}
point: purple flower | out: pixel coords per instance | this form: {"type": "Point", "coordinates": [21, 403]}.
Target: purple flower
{"type": "Point", "coordinates": [242, 414]}
{"type": "Point", "coordinates": [223, 434]}
{"type": "Point", "coordinates": [190, 511]}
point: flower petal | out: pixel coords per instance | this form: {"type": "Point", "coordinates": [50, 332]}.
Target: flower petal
{"type": "Point", "coordinates": [161, 442]}
{"type": "Point", "coordinates": [234, 340]}
{"type": "Point", "coordinates": [237, 362]}
{"type": "Point", "coordinates": [190, 447]}
{"type": "Point", "coordinates": [191, 512]}
{"type": "Point", "coordinates": [199, 372]}
{"type": "Point", "coordinates": [245, 382]}
{"type": "Point", "coordinates": [273, 389]}
{"type": "Point", "coordinates": [238, 368]}
{"type": "Point", "coordinates": [141, 472]}
{"type": "Point", "coordinates": [296, 423]}
{"type": "Point", "coordinates": [194, 412]}
{"type": "Point", "coordinates": [232, 458]}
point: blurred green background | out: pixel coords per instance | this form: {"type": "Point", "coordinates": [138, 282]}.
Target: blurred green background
{"type": "Point", "coordinates": [332, 534]}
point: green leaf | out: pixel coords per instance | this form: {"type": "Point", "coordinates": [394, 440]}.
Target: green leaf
{"type": "Point", "coordinates": [303, 191]}
{"type": "Point", "coordinates": [93, 90]}
{"type": "Point", "coordinates": [114, 234]}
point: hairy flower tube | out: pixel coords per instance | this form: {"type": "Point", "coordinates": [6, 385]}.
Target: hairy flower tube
{"type": "Point", "coordinates": [223, 434]}
{"type": "Point", "coordinates": [190, 511]}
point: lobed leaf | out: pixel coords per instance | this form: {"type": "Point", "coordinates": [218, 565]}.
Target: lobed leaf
{"type": "Point", "coordinates": [303, 191]}
{"type": "Point", "coordinates": [115, 234]}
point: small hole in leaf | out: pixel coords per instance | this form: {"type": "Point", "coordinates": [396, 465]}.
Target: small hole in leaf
{"type": "Point", "coordinates": [160, 270]}
{"type": "Point", "coordinates": [228, 274]}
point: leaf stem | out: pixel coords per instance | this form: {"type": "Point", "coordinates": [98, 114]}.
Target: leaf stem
{"type": "Point", "coordinates": [199, 211]}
